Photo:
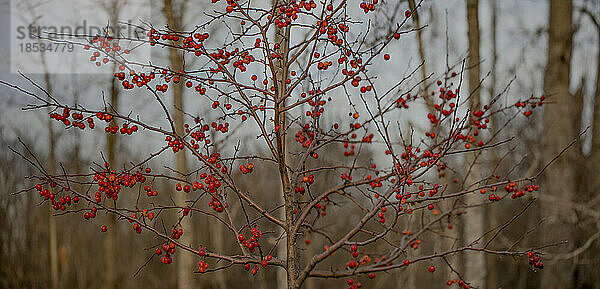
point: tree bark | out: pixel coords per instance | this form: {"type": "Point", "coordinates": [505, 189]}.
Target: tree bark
{"type": "Point", "coordinates": [110, 219]}
{"type": "Point", "coordinates": [280, 72]}
{"type": "Point", "coordinates": [473, 221]}
{"type": "Point", "coordinates": [595, 155]}
{"type": "Point", "coordinates": [493, 159]}
{"type": "Point", "coordinates": [52, 242]}
{"type": "Point", "coordinates": [51, 219]}
{"type": "Point", "coordinates": [417, 24]}
{"type": "Point", "coordinates": [560, 119]}
{"type": "Point", "coordinates": [184, 259]}
{"type": "Point", "coordinates": [110, 238]}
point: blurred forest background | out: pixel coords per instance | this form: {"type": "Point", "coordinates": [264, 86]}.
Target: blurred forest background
{"type": "Point", "coordinates": [546, 46]}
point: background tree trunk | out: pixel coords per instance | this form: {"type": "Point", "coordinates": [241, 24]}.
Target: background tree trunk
{"type": "Point", "coordinates": [417, 24]}
{"type": "Point", "coordinates": [560, 119]}
{"type": "Point", "coordinates": [184, 260]}
{"type": "Point", "coordinates": [111, 221]}
{"type": "Point", "coordinates": [595, 154]}
{"type": "Point", "coordinates": [287, 195]}
{"type": "Point", "coordinates": [52, 242]}
{"type": "Point", "coordinates": [110, 281]}
{"type": "Point", "coordinates": [473, 221]}
{"type": "Point", "coordinates": [493, 159]}
{"type": "Point", "coordinates": [51, 219]}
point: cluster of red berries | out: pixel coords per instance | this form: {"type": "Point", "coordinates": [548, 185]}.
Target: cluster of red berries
{"type": "Point", "coordinates": [478, 121]}
{"type": "Point", "coordinates": [288, 12]}
{"type": "Point", "coordinates": [103, 116]}
{"type": "Point", "coordinates": [308, 5]}
{"type": "Point", "coordinates": [532, 102]}
{"type": "Point", "coordinates": [460, 283]}
{"type": "Point", "coordinates": [77, 119]}
{"type": "Point", "coordinates": [492, 197]}
{"type": "Point", "coordinates": [186, 188]}
{"type": "Point", "coordinates": [322, 207]}
{"type": "Point", "coordinates": [305, 136]}
{"type": "Point", "coordinates": [535, 260]}
{"type": "Point", "coordinates": [194, 42]}
{"type": "Point", "coordinates": [125, 129]}
{"type": "Point", "coordinates": [381, 214]}
{"type": "Point", "coordinates": [352, 264]}
{"type": "Point", "coordinates": [254, 270]}
{"type": "Point", "coordinates": [246, 169]}
{"type": "Point", "coordinates": [175, 144]}
{"type": "Point", "coordinates": [516, 192]}
{"type": "Point", "coordinates": [224, 128]}
{"type": "Point", "coordinates": [353, 285]}
{"type": "Point", "coordinates": [57, 203]}
{"type": "Point", "coordinates": [107, 45]}
{"type": "Point", "coordinates": [323, 65]}
{"type": "Point", "coordinates": [62, 117]}
{"type": "Point", "coordinates": [216, 204]}
{"type": "Point", "coordinates": [300, 189]}
{"type": "Point", "coordinates": [91, 214]}
{"type": "Point", "coordinates": [176, 233]}
{"type": "Point", "coordinates": [368, 138]}
{"type": "Point", "coordinates": [197, 136]}
{"type": "Point", "coordinates": [318, 109]}
{"type": "Point", "coordinates": [349, 152]}
{"type": "Point", "coordinates": [138, 80]}
{"type": "Point", "coordinates": [403, 103]}
{"type": "Point", "coordinates": [332, 30]}
{"type": "Point", "coordinates": [354, 250]}
{"type": "Point", "coordinates": [154, 36]}
{"type": "Point", "coordinates": [308, 179]}
{"type": "Point", "coordinates": [244, 59]}
{"type": "Point", "coordinates": [110, 182]}
{"type": "Point", "coordinates": [346, 177]}
{"type": "Point", "coordinates": [202, 266]}
{"type": "Point", "coordinates": [266, 260]}
{"type": "Point", "coordinates": [252, 242]}
{"type": "Point", "coordinates": [468, 139]}
{"type": "Point", "coordinates": [446, 95]}
{"type": "Point", "coordinates": [136, 227]}
{"type": "Point", "coordinates": [415, 244]}
{"type": "Point", "coordinates": [374, 183]}
{"type": "Point", "coordinates": [150, 192]}
{"type": "Point", "coordinates": [212, 182]}
{"type": "Point", "coordinates": [168, 248]}
{"type": "Point", "coordinates": [368, 7]}
{"type": "Point", "coordinates": [149, 215]}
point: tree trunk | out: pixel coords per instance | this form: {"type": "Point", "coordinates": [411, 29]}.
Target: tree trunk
{"type": "Point", "coordinates": [280, 72]}
{"type": "Point", "coordinates": [493, 159]}
{"type": "Point", "coordinates": [560, 119]}
{"type": "Point", "coordinates": [54, 282]}
{"type": "Point", "coordinates": [595, 155]}
{"type": "Point", "coordinates": [417, 24]}
{"type": "Point", "coordinates": [473, 221]}
{"type": "Point", "coordinates": [218, 238]}
{"type": "Point", "coordinates": [184, 259]}
{"type": "Point", "coordinates": [110, 219]}
{"type": "Point", "coordinates": [110, 280]}
{"type": "Point", "coordinates": [51, 219]}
